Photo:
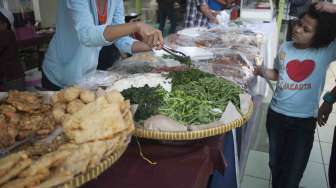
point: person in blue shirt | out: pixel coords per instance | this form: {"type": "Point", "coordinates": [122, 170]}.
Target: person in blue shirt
{"type": "Point", "coordinates": [219, 5]}
{"type": "Point", "coordinates": [300, 70]}
{"type": "Point", "coordinates": [82, 29]}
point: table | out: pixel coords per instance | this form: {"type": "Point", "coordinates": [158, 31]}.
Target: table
{"type": "Point", "coordinates": [26, 37]}
{"type": "Point", "coordinates": [178, 166]}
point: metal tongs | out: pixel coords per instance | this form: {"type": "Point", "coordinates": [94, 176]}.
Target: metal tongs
{"type": "Point", "coordinates": [180, 56]}
{"type": "Point", "coordinates": [6, 151]}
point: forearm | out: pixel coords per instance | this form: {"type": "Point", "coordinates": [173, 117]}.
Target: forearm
{"type": "Point", "coordinates": [271, 74]}
{"type": "Point", "coordinates": [140, 47]}
{"type": "Point", "coordinates": [207, 12]}
{"type": "Point", "coordinates": [114, 32]}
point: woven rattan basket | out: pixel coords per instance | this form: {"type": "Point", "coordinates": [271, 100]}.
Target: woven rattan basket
{"type": "Point", "coordinates": [193, 135]}
{"type": "Point", "coordinates": [96, 171]}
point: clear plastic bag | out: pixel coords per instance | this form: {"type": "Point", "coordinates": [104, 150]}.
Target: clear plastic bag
{"type": "Point", "coordinates": [100, 79]}
{"type": "Point", "coordinates": [144, 62]}
{"type": "Point", "coordinates": [232, 66]}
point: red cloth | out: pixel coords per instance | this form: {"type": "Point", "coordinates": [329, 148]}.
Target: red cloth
{"type": "Point", "coordinates": [26, 37]}
{"type": "Point", "coordinates": [186, 166]}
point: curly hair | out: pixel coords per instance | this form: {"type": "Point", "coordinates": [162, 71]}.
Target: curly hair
{"type": "Point", "coordinates": [3, 19]}
{"type": "Point", "coordinates": [325, 29]}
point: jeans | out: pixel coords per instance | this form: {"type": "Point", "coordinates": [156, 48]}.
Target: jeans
{"type": "Point", "coordinates": [291, 140]}
{"type": "Point", "coordinates": [167, 10]}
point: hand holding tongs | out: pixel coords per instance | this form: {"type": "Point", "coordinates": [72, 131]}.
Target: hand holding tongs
{"type": "Point", "coordinates": [180, 56]}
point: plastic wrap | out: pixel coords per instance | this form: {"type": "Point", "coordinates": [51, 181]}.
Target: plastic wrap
{"type": "Point", "coordinates": [143, 62]}
{"type": "Point", "coordinates": [100, 79]}
{"type": "Point", "coordinates": [232, 66]}
{"type": "Point", "coordinates": [252, 53]}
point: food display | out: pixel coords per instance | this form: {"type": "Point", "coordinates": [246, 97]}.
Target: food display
{"type": "Point", "coordinates": [196, 98]}
{"type": "Point", "coordinates": [232, 67]}
{"type": "Point", "coordinates": [23, 114]}
{"type": "Point", "coordinates": [87, 128]}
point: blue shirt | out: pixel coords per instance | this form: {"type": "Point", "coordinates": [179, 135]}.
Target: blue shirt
{"type": "Point", "coordinates": [214, 5]}
{"type": "Point", "coordinates": [74, 49]}
{"type": "Point", "coordinates": [301, 79]}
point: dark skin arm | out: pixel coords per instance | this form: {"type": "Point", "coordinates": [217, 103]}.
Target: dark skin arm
{"type": "Point", "coordinates": [325, 110]}
{"type": "Point", "coordinates": [211, 15]}
{"type": "Point", "coordinates": [271, 74]}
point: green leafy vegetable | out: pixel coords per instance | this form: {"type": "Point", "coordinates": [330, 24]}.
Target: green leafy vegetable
{"type": "Point", "coordinates": [193, 102]}
{"type": "Point", "coordinates": [185, 77]}
{"type": "Point", "coordinates": [182, 60]}
{"type": "Point", "coordinates": [149, 99]}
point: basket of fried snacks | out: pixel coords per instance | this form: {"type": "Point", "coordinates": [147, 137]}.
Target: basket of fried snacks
{"type": "Point", "coordinates": [92, 131]}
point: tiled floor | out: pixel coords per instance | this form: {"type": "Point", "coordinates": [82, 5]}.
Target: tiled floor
{"type": "Point", "coordinates": [257, 173]}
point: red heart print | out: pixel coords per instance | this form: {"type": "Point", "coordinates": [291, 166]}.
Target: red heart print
{"type": "Point", "coordinates": [299, 71]}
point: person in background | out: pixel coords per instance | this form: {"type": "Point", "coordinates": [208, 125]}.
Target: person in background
{"type": "Point", "coordinates": [326, 108]}
{"type": "Point", "coordinates": [167, 10]}
{"type": "Point", "coordinates": [82, 29]}
{"type": "Point", "coordinates": [198, 14]}
{"type": "Point", "coordinates": [11, 71]}
{"type": "Point", "coordinates": [219, 5]}
{"type": "Point", "coordinates": [300, 69]}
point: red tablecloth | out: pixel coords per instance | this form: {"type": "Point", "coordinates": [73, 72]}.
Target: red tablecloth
{"type": "Point", "coordinates": [27, 37]}
{"type": "Point", "coordinates": [178, 166]}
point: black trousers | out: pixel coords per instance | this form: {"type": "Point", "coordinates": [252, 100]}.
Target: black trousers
{"type": "Point", "coordinates": [291, 140]}
{"type": "Point", "coordinates": [332, 163]}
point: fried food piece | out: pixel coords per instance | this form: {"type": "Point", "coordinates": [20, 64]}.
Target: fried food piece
{"type": "Point", "coordinates": [39, 149]}
{"type": "Point", "coordinates": [60, 105]}
{"type": "Point", "coordinates": [58, 114]}
{"type": "Point", "coordinates": [58, 98]}
{"type": "Point", "coordinates": [80, 153]}
{"type": "Point", "coordinates": [24, 101]}
{"type": "Point", "coordinates": [4, 108]}
{"type": "Point", "coordinates": [47, 161]}
{"type": "Point", "coordinates": [12, 117]}
{"type": "Point", "coordinates": [98, 148]}
{"type": "Point", "coordinates": [24, 182]}
{"type": "Point", "coordinates": [71, 93]}
{"type": "Point", "coordinates": [74, 106]}
{"type": "Point", "coordinates": [30, 122]}
{"type": "Point", "coordinates": [96, 121]}
{"type": "Point", "coordinates": [114, 96]}
{"type": "Point", "coordinates": [8, 133]}
{"type": "Point", "coordinates": [47, 124]}
{"type": "Point", "coordinates": [9, 161]}
{"type": "Point", "coordinates": [87, 96]}
{"type": "Point", "coordinates": [20, 165]}
{"type": "Point", "coordinates": [43, 109]}
{"type": "Point", "coordinates": [56, 179]}
{"type": "Point", "coordinates": [2, 118]}
{"type": "Point", "coordinates": [111, 145]}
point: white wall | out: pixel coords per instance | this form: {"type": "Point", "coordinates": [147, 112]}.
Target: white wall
{"type": "Point", "coordinates": [45, 12]}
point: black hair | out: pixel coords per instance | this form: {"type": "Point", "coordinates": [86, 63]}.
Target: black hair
{"type": "Point", "coordinates": [4, 19]}
{"type": "Point", "coordinates": [325, 28]}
